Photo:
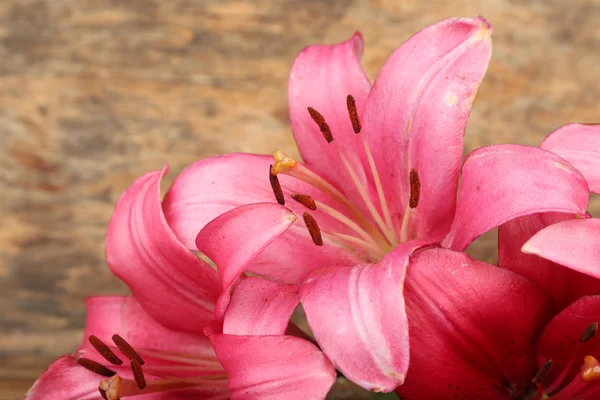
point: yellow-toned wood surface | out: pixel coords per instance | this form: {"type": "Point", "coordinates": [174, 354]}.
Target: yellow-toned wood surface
{"type": "Point", "coordinates": [94, 93]}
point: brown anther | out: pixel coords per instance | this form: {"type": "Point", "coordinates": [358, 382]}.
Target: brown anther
{"type": "Point", "coordinates": [313, 229]}
{"type": "Point", "coordinates": [320, 121]}
{"type": "Point", "coordinates": [415, 189]}
{"type": "Point", "coordinates": [276, 186]}
{"type": "Point", "coordinates": [353, 113]}
{"type": "Point", "coordinates": [589, 332]}
{"type": "Point", "coordinates": [138, 374]}
{"type": "Point", "coordinates": [103, 393]}
{"type": "Point", "coordinates": [127, 349]}
{"type": "Point", "coordinates": [96, 367]}
{"type": "Point", "coordinates": [542, 373]}
{"type": "Point", "coordinates": [104, 350]}
{"type": "Point", "coordinates": [306, 200]}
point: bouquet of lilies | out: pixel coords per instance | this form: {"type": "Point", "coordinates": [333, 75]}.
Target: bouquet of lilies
{"type": "Point", "coordinates": [367, 232]}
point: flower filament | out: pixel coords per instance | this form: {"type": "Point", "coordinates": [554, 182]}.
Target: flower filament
{"type": "Point", "coordinates": [373, 233]}
{"type": "Point", "coordinates": [191, 371]}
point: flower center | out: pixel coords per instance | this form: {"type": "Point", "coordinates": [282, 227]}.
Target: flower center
{"type": "Point", "coordinates": [580, 385]}
{"type": "Point", "coordinates": [116, 387]}
{"type": "Point", "coordinates": [371, 232]}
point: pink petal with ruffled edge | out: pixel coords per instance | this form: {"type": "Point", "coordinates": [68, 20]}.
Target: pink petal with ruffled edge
{"type": "Point", "coordinates": [560, 341]}
{"type": "Point", "coordinates": [573, 243]}
{"type": "Point", "coordinates": [561, 284]}
{"type": "Point", "coordinates": [260, 307]}
{"type": "Point", "coordinates": [418, 107]}
{"type": "Point", "coordinates": [579, 144]}
{"type": "Point", "coordinates": [322, 76]}
{"type": "Point", "coordinates": [168, 280]}
{"type": "Point", "coordinates": [503, 182]}
{"type": "Point", "coordinates": [471, 328]}
{"type": "Point", "coordinates": [357, 316]}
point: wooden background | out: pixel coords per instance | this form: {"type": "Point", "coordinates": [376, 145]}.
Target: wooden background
{"type": "Point", "coordinates": [94, 93]}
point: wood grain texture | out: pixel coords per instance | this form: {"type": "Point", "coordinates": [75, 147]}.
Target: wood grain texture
{"type": "Point", "coordinates": [94, 93]}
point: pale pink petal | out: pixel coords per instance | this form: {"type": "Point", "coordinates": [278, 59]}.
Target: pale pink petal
{"type": "Point", "coordinates": [274, 367]}
{"type": "Point", "coordinates": [357, 316]}
{"type": "Point", "coordinates": [579, 144]}
{"type": "Point", "coordinates": [573, 243]}
{"type": "Point", "coordinates": [416, 116]}
{"type": "Point", "coordinates": [471, 328]}
{"type": "Point", "coordinates": [503, 182]}
{"type": "Point", "coordinates": [322, 77]}
{"type": "Point", "coordinates": [560, 341]}
{"type": "Point", "coordinates": [65, 380]}
{"type": "Point", "coordinates": [260, 307]}
{"type": "Point", "coordinates": [562, 285]}
{"type": "Point", "coordinates": [168, 280]}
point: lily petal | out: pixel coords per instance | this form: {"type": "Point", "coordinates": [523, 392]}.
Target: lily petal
{"type": "Point", "coordinates": [254, 238]}
{"type": "Point", "coordinates": [572, 243]}
{"type": "Point", "coordinates": [560, 340]}
{"type": "Point", "coordinates": [503, 182]}
{"type": "Point", "coordinates": [235, 238]}
{"type": "Point", "coordinates": [66, 380]}
{"type": "Point", "coordinates": [460, 342]}
{"type": "Point", "coordinates": [168, 280]}
{"type": "Point", "coordinates": [123, 315]}
{"type": "Point", "coordinates": [273, 367]}
{"type": "Point", "coordinates": [322, 76]}
{"type": "Point", "coordinates": [419, 106]}
{"type": "Point", "coordinates": [260, 307]}
{"type": "Point", "coordinates": [562, 285]}
{"type": "Point", "coordinates": [357, 316]}
{"type": "Point", "coordinates": [214, 186]}
{"type": "Point", "coordinates": [579, 144]}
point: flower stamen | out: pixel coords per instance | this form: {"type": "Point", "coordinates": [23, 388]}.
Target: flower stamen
{"type": "Point", "coordinates": [104, 350]}
{"type": "Point", "coordinates": [306, 200]}
{"type": "Point", "coordinates": [589, 332]}
{"type": "Point", "coordinates": [138, 374]}
{"type": "Point", "coordinates": [415, 188]}
{"type": "Point", "coordinates": [276, 186]}
{"type": "Point", "coordinates": [313, 229]}
{"type": "Point", "coordinates": [95, 367]}
{"type": "Point", "coordinates": [353, 113]}
{"type": "Point", "coordinates": [542, 373]}
{"type": "Point", "coordinates": [320, 121]}
{"type": "Point", "coordinates": [127, 349]}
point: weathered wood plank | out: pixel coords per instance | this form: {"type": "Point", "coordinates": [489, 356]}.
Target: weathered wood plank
{"type": "Point", "coordinates": [94, 93]}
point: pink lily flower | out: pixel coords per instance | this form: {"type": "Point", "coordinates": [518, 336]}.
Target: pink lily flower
{"type": "Point", "coordinates": [482, 331]}
{"type": "Point", "coordinates": [378, 183]}
{"type": "Point", "coordinates": [152, 345]}
{"type": "Point", "coordinates": [491, 334]}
